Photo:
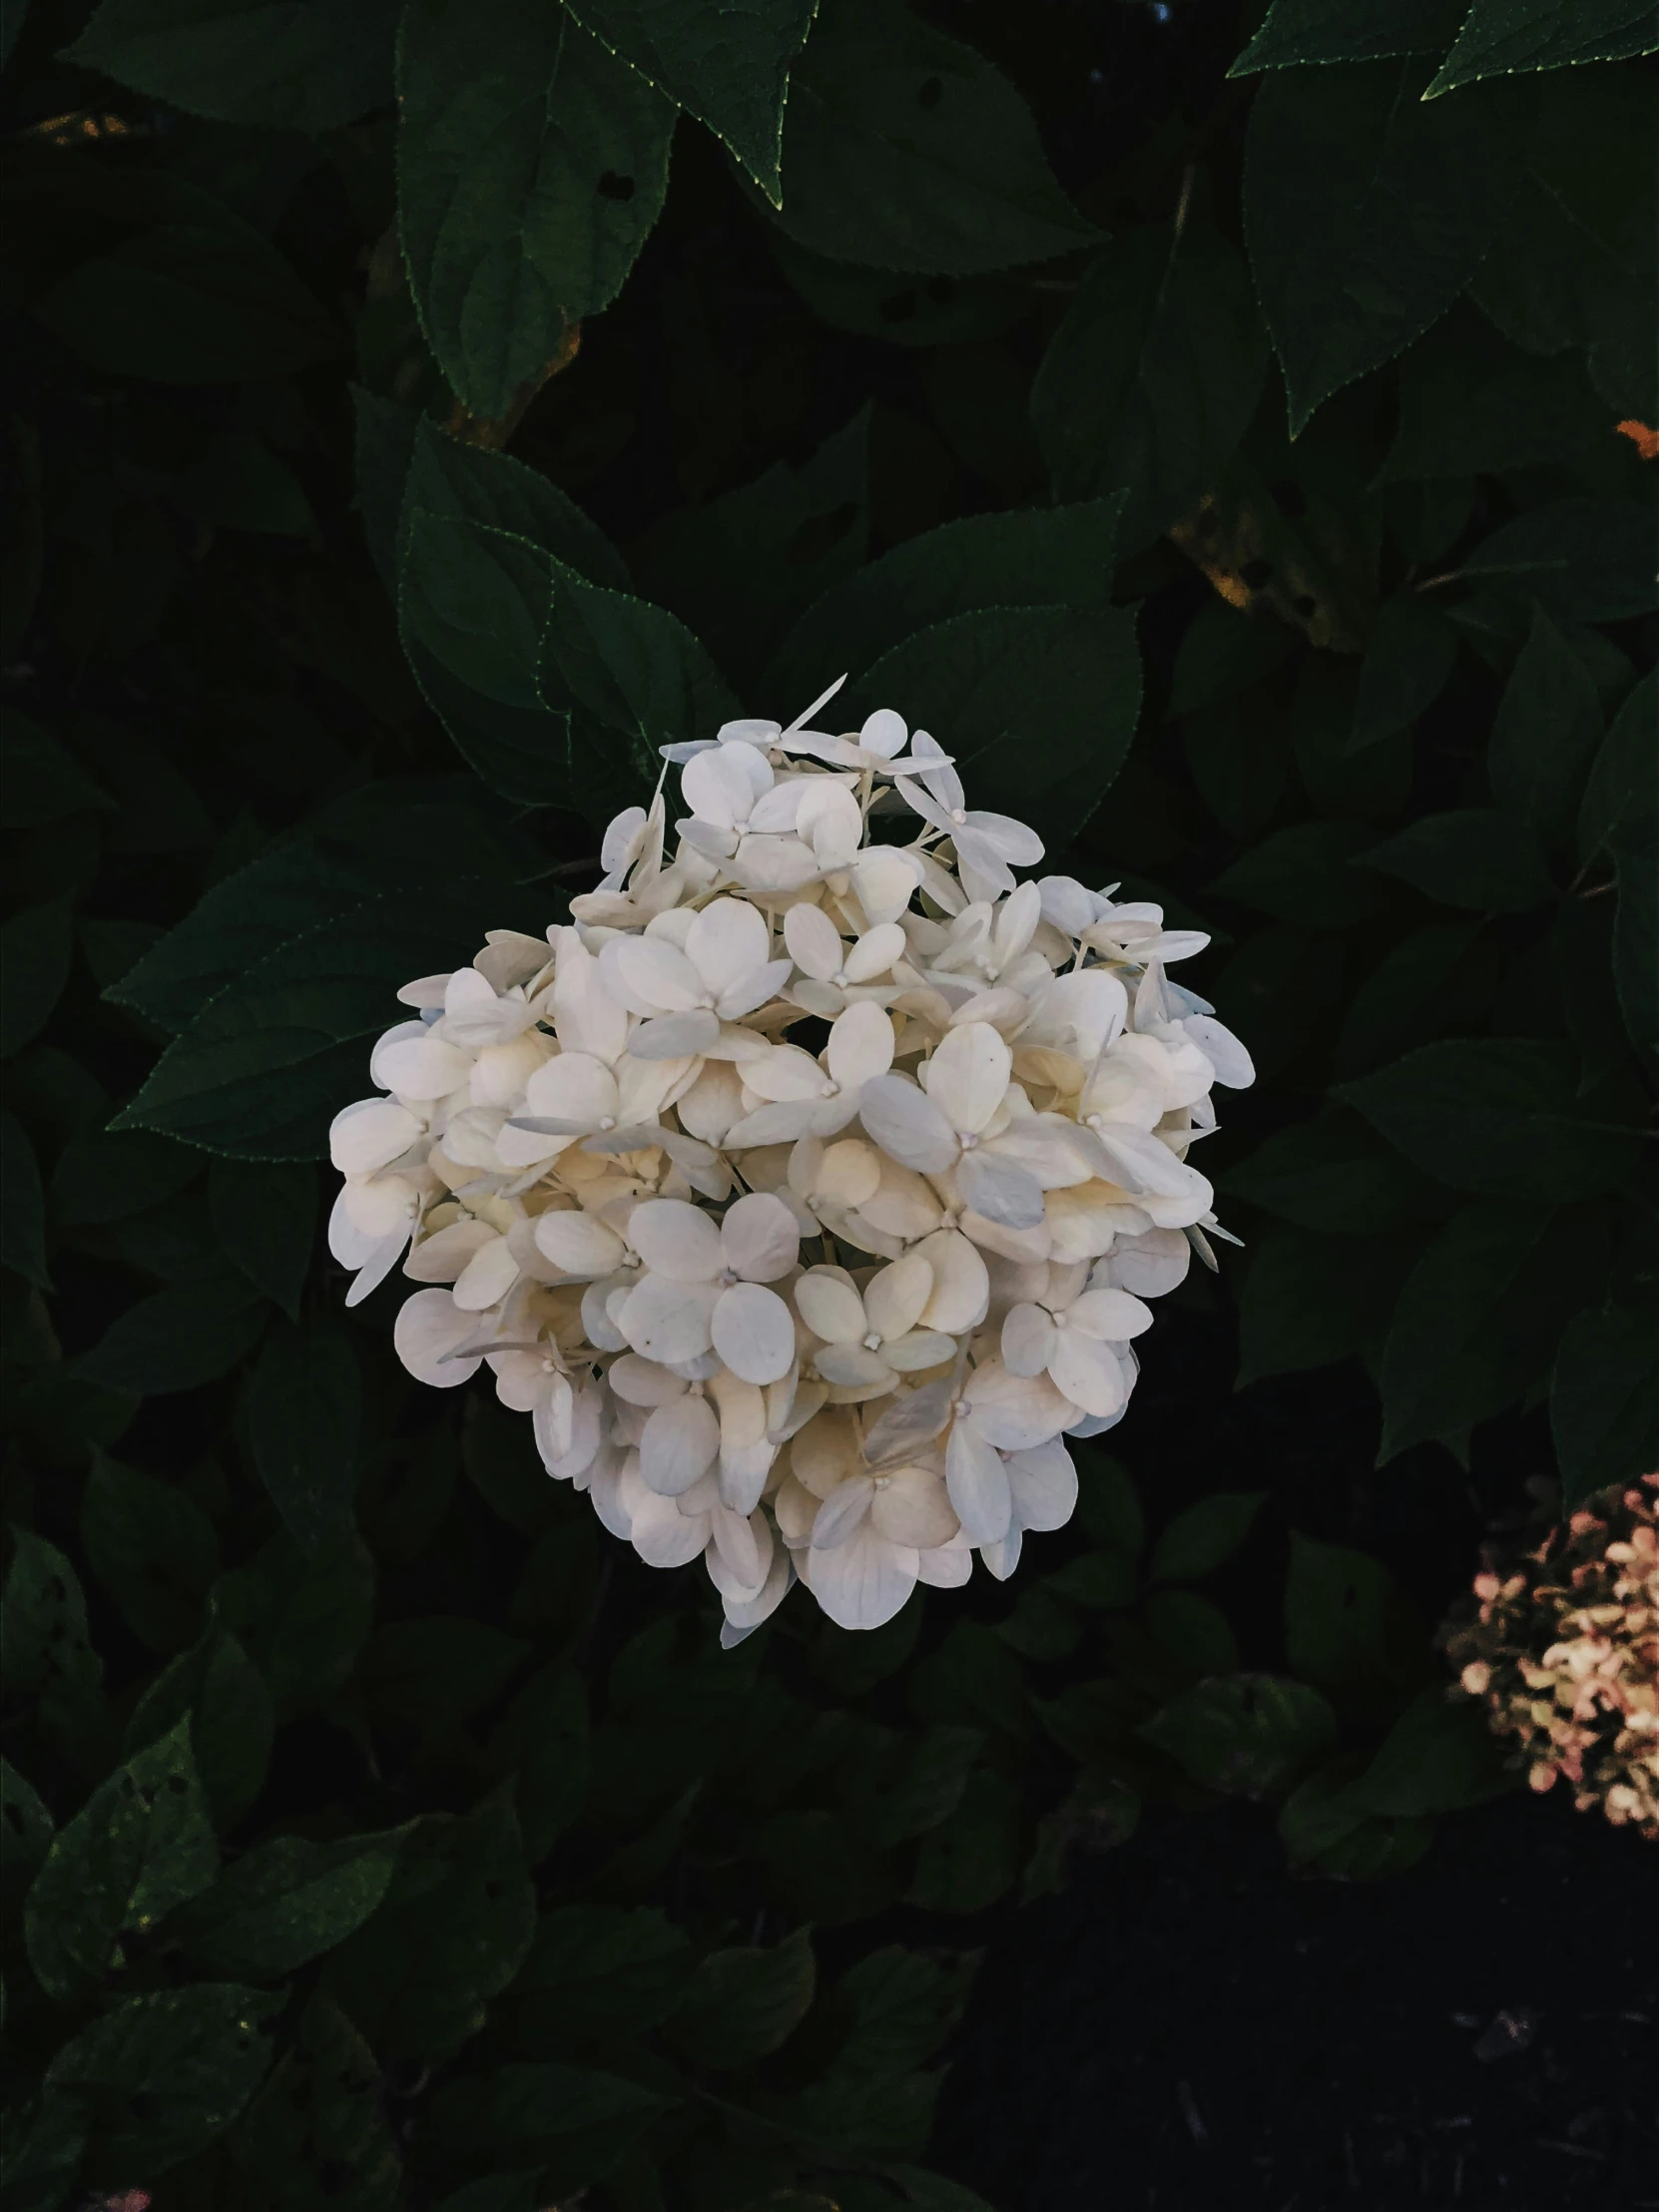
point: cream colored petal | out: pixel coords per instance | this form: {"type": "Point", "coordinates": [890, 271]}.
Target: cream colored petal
{"type": "Point", "coordinates": [578, 1245]}
{"type": "Point", "coordinates": [640, 1381]}
{"type": "Point", "coordinates": [1044, 1486]}
{"type": "Point", "coordinates": [1014, 1411]}
{"type": "Point", "coordinates": [371, 1135]}
{"type": "Point", "coordinates": [961, 1285]}
{"type": "Point", "coordinates": [829, 1305]}
{"type": "Point", "coordinates": [977, 1483]}
{"type": "Point", "coordinates": [914, 1507]}
{"type": "Point", "coordinates": [758, 1239]}
{"type": "Point", "coordinates": [663, 1535]}
{"type": "Point", "coordinates": [853, 1367]}
{"type": "Point", "coordinates": [1112, 1314]}
{"type": "Point", "coordinates": [421, 1067]}
{"type": "Point", "coordinates": [969, 1076]}
{"type": "Point", "coordinates": [862, 1584]}
{"type": "Point", "coordinates": [813, 943]}
{"type": "Point", "coordinates": [441, 1258]}
{"type": "Point", "coordinates": [652, 977]}
{"type": "Point", "coordinates": [784, 1075]}
{"type": "Point", "coordinates": [897, 1297]}
{"type": "Point", "coordinates": [726, 941]}
{"type": "Point", "coordinates": [428, 1328]}
{"type": "Point", "coordinates": [1027, 1339]}
{"type": "Point", "coordinates": [843, 1512]}
{"type": "Point", "coordinates": [907, 1125]}
{"type": "Point", "coordinates": [487, 1277]}
{"type": "Point", "coordinates": [576, 1089]}
{"type": "Point", "coordinates": [824, 1453]}
{"type": "Point", "coordinates": [875, 953]}
{"type": "Point", "coordinates": [668, 1322]}
{"type": "Point", "coordinates": [917, 1351]}
{"type": "Point", "coordinates": [1086, 1370]}
{"type": "Point", "coordinates": [860, 1044]}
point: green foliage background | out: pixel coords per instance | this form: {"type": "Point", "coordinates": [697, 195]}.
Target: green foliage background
{"type": "Point", "coordinates": [1207, 416]}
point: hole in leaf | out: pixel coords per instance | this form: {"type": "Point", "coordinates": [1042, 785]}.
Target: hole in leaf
{"type": "Point", "coordinates": [1256, 573]}
{"type": "Point", "coordinates": [931, 91]}
{"type": "Point", "coordinates": [613, 187]}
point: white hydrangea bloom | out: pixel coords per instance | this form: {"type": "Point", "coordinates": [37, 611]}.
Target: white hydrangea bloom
{"type": "Point", "coordinates": [804, 1190]}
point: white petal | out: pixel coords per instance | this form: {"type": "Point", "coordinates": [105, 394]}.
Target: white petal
{"type": "Point", "coordinates": [860, 1045]}
{"type": "Point", "coordinates": [755, 989]}
{"type": "Point", "coordinates": [585, 1014]}
{"type": "Point", "coordinates": [863, 1583]}
{"type": "Point", "coordinates": [1044, 1486]}
{"type": "Point", "coordinates": [668, 1322]}
{"type": "Point", "coordinates": [651, 976]}
{"type": "Point", "coordinates": [1082, 1012]}
{"type": "Point", "coordinates": [745, 1615]}
{"type": "Point", "coordinates": [426, 1329]}
{"type": "Point", "coordinates": [676, 1240]}
{"type": "Point", "coordinates": [814, 942]}
{"type": "Point", "coordinates": [679, 1444]}
{"type": "Point", "coordinates": [378, 1263]}
{"type": "Point", "coordinates": [946, 1567]}
{"type": "Point", "coordinates": [830, 823]}
{"type": "Point", "coordinates": [907, 1125]}
{"type": "Point", "coordinates": [784, 1074]}
{"type": "Point", "coordinates": [884, 733]}
{"type": "Point", "coordinates": [1087, 1372]}
{"type": "Point", "coordinates": [1235, 1069]}
{"type": "Point", "coordinates": [895, 1297]}
{"type": "Point", "coordinates": [961, 1285]}
{"type": "Point", "coordinates": [829, 1305]}
{"type": "Point", "coordinates": [754, 1333]}
{"type": "Point", "coordinates": [1008, 838]}
{"type": "Point", "coordinates": [917, 1351]}
{"type": "Point", "coordinates": [578, 1245]}
{"type": "Point", "coordinates": [371, 1135]}
{"type": "Point", "coordinates": [1000, 1189]}
{"type": "Point", "coordinates": [908, 1423]}
{"type": "Point", "coordinates": [738, 1557]}
{"type": "Point", "coordinates": [854, 1368]}
{"type": "Point", "coordinates": [679, 1036]}
{"type": "Point", "coordinates": [876, 952]}
{"type": "Point", "coordinates": [1112, 1314]}
{"type": "Point", "coordinates": [758, 1239]}
{"type": "Point", "coordinates": [841, 1514]}
{"type": "Point", "coordinates": [979, 1485]}
{"type": "Point", "coordinates": [1027, 1339]}
{"type": "Point", "coordinates": [1014, 1411]}
{"type": "Point", "coordinates": [722, 786]}
{"type": "Point", "coordinates": [441, 1258]}
{"type": "Point", "coordinates": [914, 1507]}
{"type": "Point", "coordinates": [640, 1381]}
{"type": "Point", "coordinates": [725, 942]}
{"type": "Point", "coordinates": [487, 1277]}
{"type": "Point", "coordinates": [969, 1076]}
{"type": "Point", "coordinates": [1002, 1559]}
{"type": "Point", "coordinates": [846, 1173]}
{"type": "Point", "coordinates": [421, 1067]}
{"type": "Point", "coordinates": [663, 1535]}
{"type": "Point", "coordinates": [885, 880]}
{"type": "Point", "coordinates": [1150, 1264]}
{"type": "Point", "coordinates": [574, 1088]}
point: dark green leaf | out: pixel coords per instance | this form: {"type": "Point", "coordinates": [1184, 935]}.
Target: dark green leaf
{"type": "Point", "coordinates": [1323, 1827]}
{"type": "Point", "coordinates": [975, 1858]}
{"type": "Point", "coordinates": [1253, 1735]}
{"type": "Point", "coordinates": [1310, 1299]}
{"type": "Point", "coordinates": [22, 1205]}
{"type": "Point", "coordinates": [906, 2004]}
{"type": "Point", "coordinates": [728, 65]}
{"type": "Point", "coordinates": [1409, 657]}
{"type": "Point", "coordinates": [1583, 560]}
{"type": "Point", "coordinates": [26, 1826]}
{"type": "Point", "coordinates": [441, 1667]}
{"type": "Point", "coordinates": [287, 1901]}
{"type": "Point", "coordinates": [1574, 264]}
{"type": "Point", "coordinates": [926, 1784]}
{"type": "Point", "coordinates": [453, 1931]}
{"type": "Point", "coordinates": [1427, 980]}
{"type": "Point", "coordinates": [1223, 651]}
{"type": "Point", "coordinates": [190, 295]}
{"type": "Point", "coordinates": [1501, 38]}
{"type": "Point", "coordinates": [1153, 377]}
{"type": "Point", "coordinates": [905, 150]}
{"type": "Point", "coordinates": [44, 2146]}
{"type": "Point", "coordinates": [1548, 723]}
{"type": "Point", "coordinates": [152, 1548]}
{"type": "Point", "coordinates": [43, 780]}
{"type": "Point", "coordinates": [142, 1844]}
{"type": "Point", "coordinates": [533, 163]}
{"type": "Point", "coordinates": [1619, 799]}
{"type": "Point", "coordinates": [999, 680]}
{"type": "Point", "coordinates": [609, 1970]}
{"type": "Point", "coordinates": [302, 1621]}
{"type": "Point", "coordinates": [1301, 31]}
{"type": "Point", "coordinates": [1471, 402]}
{"type": "Point", "coordinates": [105, 1175]}
{"type": "Point", "coordinates": [465, 484]}
{"type": "Point", "coordinates": [1197, 1541]}
{"type": "Point", "coordinates": [317, 2131]}
{"type": "Point", "coordinates": [1193, 1630]}
{"type": "Point", "coordinates": [1438, 1757]}
{"type": "Point", "coordinates": [1636, 937]}
{"type": "Point", "coordinates": [35, 950]}
{"type": "Point", "coordinates": [1478, 1316]}
{"type": "Point", "coordinates": [1301, 874]}
{"type": "Point", "coordinates": [282, 67]}
{"type": "Point", "coordinates": [231, 1720]}
{"type": "Point", "coordinates": [1351, 1629]}
{"type": "Point", "coordinates": [542, 1738]}
{"type": "Point", "coordinates": [167, 2073]}
{"type": "Point", "coordinates": [741, 569]}
{"type": "Point", "coordinates": [900, 309]}
{"type": "Point", "coordinates": [264, 1214]}
{"type": "Point", "coordinates": [1367, 214]}
{"type": "Point", "coordinates": [261, 1071]}
{"type": "Point", "coordinates": [304, 1410]}
{"type": "Point", "coordinates": [44, 1651]}
{"type": "Point", "coordinates": [1604, 1399]}
{"type": "Point", "coordinates": [742, 2004]}
{"type": "Point", "coordinates": [1039, 557]}
{"type": "Point", "coordinates": [1493, 1114]}
{"type": "Point", "coordinates": [1107, 1506]}
{"type": "Point", "coordinates": [1333, 1177]}
{"type": "Point", "coordinates": [575, 2118]}
{"type": "Point", "coordinates": [1477, 856]}
{"type": "Point", "coordinates": [190, 1334]}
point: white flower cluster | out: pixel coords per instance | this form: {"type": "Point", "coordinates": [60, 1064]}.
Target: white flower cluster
{"type": "Point", "coordinates": [805, 1190]}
